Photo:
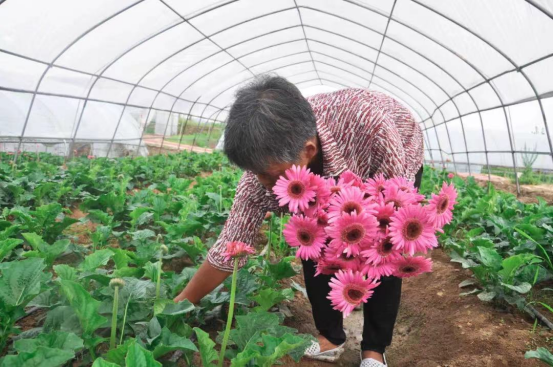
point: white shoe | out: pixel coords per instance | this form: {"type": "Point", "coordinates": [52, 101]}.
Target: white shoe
{"type": "Point", "coordinates": [370, 362]}
{"type": "Point", "coordinates": [332, 355]}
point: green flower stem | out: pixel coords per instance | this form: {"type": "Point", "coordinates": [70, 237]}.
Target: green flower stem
{"type": "Point", "coordinates": [158, 283]}
{"type": "Point", "coordinates": [230, 313]}
{"type": "Point", "coordinates": [124, 319]}
{"type": "Point", "coordinates": [114, 317]}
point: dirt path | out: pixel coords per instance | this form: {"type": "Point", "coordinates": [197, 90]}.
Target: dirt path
{"type": "Point", "coordinates": [528, 193]}
{"type": "Point", "coordinates": [437, 327]}
{"type": "Point", "coordinates": [155, 142]}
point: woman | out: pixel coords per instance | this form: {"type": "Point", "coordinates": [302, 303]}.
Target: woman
{"type": "Point", "coordinates": [270, 127]}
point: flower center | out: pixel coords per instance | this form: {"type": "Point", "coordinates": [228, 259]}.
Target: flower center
{"type": "Point", "coordinates": [335, 189]}
{"type": "Point", "coordinates": [305, 238]}
{"type": "Point", "coordinates": [350, 206]}
{"type": "Point", "coordinates": [322, 220]}
{"type": "Point", "coordinates": [383, 222]}
{"type": "Point", "coordinates": [353, 233]}
{"type": "Point", "coordinates": [354, 294]}
{"type": "Point", "coordinates": [396, 202]}
{"type": "Point", "coordinates": [296, 189]}
{"type": "Point", "coordinates": [412, 229]}
{"type": "Point", "coordinates": [408, 269]}
{"type": "Point", "coordinates": [442, 205]}
{"type": "Point", "coordinates": [386, 247]}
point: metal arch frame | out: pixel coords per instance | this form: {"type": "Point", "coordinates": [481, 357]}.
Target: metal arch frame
{"type": "Point", "coordinates": [307, 43]}
{"type": "Point", "coordinates": [472, 66]}
{"type": "Point", "coordinates": [54, 60]}
{"type": "Point", "coordinates": [334, 66]}
{"type": "Point", "coordinates": [466, 62]}
{"type": "Point", "coordinates": [382, 42]}
{"type": "Point", "coordinates": [93, 75]}
{"type": "Point", "coordinates": [506, 57]}
{"type": "Point", "coordinates": [407, 94]}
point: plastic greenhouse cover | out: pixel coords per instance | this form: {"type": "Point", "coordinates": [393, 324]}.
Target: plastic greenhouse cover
{"type": "Point", "coordinates": [475, 74]}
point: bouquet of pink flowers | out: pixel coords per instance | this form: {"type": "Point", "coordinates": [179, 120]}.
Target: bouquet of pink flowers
{"type": "Point", "coordinates": [360, 230]}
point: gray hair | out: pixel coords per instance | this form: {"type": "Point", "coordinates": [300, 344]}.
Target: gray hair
{"type": "Point", "coordinates": [269, 122]}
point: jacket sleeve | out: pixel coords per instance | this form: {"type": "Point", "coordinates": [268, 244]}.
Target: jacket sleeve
{"type": "Point", "coordinates": [244, 221]}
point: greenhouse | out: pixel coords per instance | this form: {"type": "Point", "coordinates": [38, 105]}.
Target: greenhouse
{"type": "Point", "coordinates": [255, 183]}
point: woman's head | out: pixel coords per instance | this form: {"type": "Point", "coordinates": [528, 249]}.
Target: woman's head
{"type": "Point", "coordinates": [270, 127]}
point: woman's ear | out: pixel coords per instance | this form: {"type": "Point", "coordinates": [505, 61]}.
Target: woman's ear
{"type": "Point", "coordinates": [310, 149]}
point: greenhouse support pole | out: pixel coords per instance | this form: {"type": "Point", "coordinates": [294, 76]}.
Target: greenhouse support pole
{"type": "Point", "coordinates": [211, 129]}
{"type": "Point", "coordinates": [186, 122]}
{"type": "Point", "coordinates": [207, 122]}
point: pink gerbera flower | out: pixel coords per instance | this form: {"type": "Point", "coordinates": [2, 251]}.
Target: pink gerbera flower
{"type": "Point", "coordinates": [347, 201]}
{"type": "Point", "coordinates": [376, 185]}
{"type": "Point", "coordinates": [451, 175]}
{"type": "Point", "coordinates": [237, 249]}
{"type": "Point", "coordinates": [411, 231]}
{"type": "Point", "coordinates": [382, 251]}
{"type": "Point", "coordinates": [303, 232]}
{"type": "Point", "coordinates": [378, 271]}
{"type": "Point", "coordinates": [351, 178]}
{"type": "Point", "coordinates": [327, 266]}
{"type": "Point", "coordinates": [295, 189]}
{"type": "Point", "coordinates": [322, 196]}
{"type": "Point", "coordinates": [402, 184]}
{"type": "Point", "coordinates": [440, 206]}
{"type": "Point", "coordinates": [349, 289]}
{"type": "Point", "coordinates": [396, 196]}
{"type": "Point", "coordinates": [412, 266]}
{"type": "Point", "coordinates": [335, 186]}
{"type": "Point", "coordinates": [322, 218]}
{"type": "Point", "coordinates": [352, 232]}
{"type": "Point", "coordinates": [345, 261]}
{"type": "Point", "coordinates": [384, 213]}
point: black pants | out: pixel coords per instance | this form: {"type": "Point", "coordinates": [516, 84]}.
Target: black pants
{"type": "Point", "coordinates": [379, 312]}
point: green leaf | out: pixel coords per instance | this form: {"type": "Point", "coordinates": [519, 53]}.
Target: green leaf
{"type": "Point", "coordinates": [512, 264]}
{"type": "Point", "coordinates": [96, 259]}
{"type": "Point", "coordinates": [42, 357]}
{"type": "Point", "coordinates": [175, 309]}
{"type": "Point", "coordinates": [272, 349]}
{"type": "Point", "coordinates": [269, 297]}
{"type": "Point", "coordinates": [117, 355]}
{"type": "Point", "coordinates": [85, 307]}
{"type": "Point", "coordinates": [137, 356]}
{"type": "Point", "coordinates": [7, 245]}
{"type": "Point", "coordinates": [281, 270]}
{"type": "Point", "coordinates": [542, 354]}
{"type": "Point", "coordinates": [465, 283]}
{"type": "Point", "coordinates": [21, 281]}
{"type": "Point", "coordinates": [486, 296]}
{"type": "Point", "coordinates": [523, 288]}
{"type": "Point", "coordinates": [490, 258]}
{"type": "Point", "coordinates": [100, 362]}
{"type": "Point", "coordinates": [171, 342]}
{"type": "Point", "coordinates": [207, 348]}
{"type": "Point", "coordinates": [55, 339]}
{"type": "Point", "coordinates": [43, 249]}
{"type": "Point", "coordinates": [249, 327]}
{"type": "Point", "coordinates": [66, 272]}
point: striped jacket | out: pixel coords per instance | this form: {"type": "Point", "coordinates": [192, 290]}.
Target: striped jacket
{"type": "Point", "coordinates": [364, 131]}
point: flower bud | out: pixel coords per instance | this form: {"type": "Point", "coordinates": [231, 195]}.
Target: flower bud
{"type": "Point", "coordinates": [117, 282]}
{"type": "Point", "coordinates": [164, 249]}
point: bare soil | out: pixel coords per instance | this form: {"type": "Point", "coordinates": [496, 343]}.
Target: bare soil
{"type": "Point", "coordinates": [438, 327]}
{"type": "Point", "coordinates": [528, 193]}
